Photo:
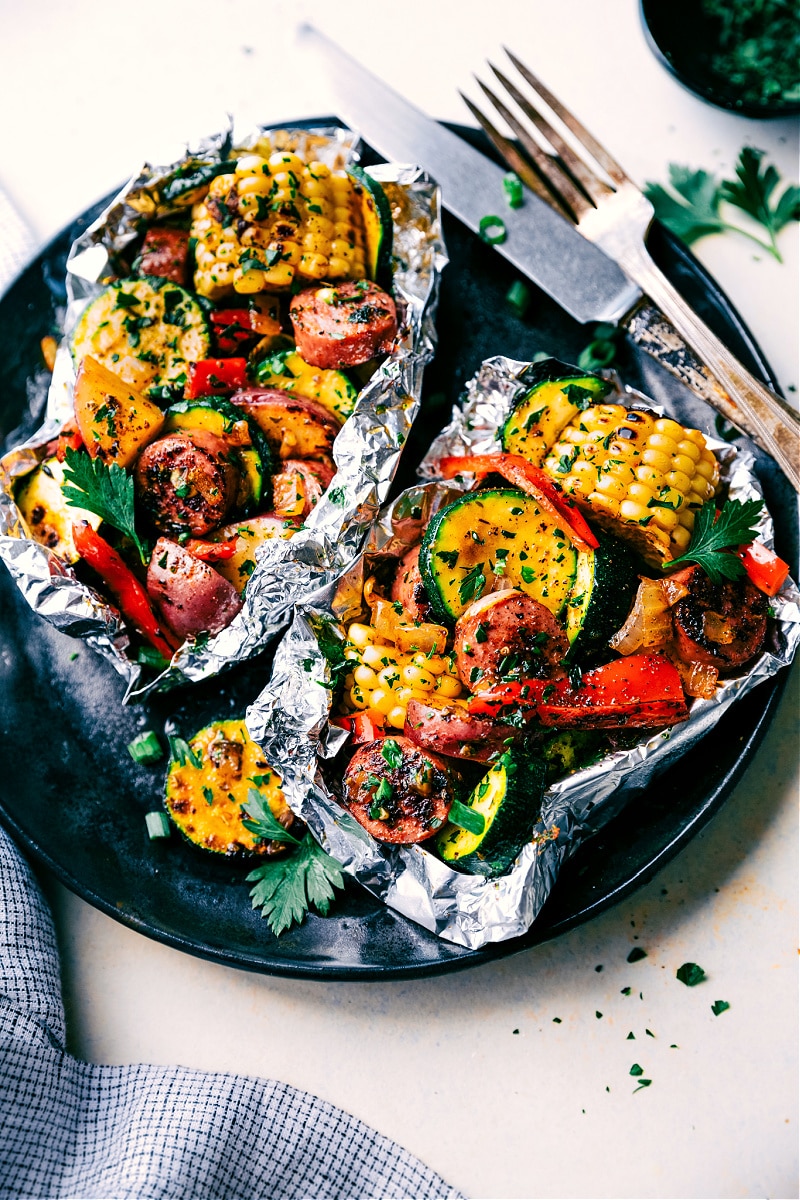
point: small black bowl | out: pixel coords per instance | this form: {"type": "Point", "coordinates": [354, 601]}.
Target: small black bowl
{"type": "Point", "coordinates": [685, 39]}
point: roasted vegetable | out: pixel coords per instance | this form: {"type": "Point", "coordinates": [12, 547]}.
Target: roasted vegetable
{"type": "Point", "coordinates": [145, 331]}
{"type": "Point", "coordinates": [208, 784]}
{"type": "Point", "coordinates": [485, 540]}
{"type": "Point", "coordinates": [287, 370]}
{"type": "Point", "coordinates": [271, 222]}
{"type": "Point", "coordinates": [248, 536]}
{"type": "Point", "coordinates": [601, 596]}
{"type": "Point", "coordinates": [45, 510]}
{"type": "Point", "coordinates": [556, 396]}
{"type": "Point", "coordinates": [509, 800]}
{"type": "Point", "coordinates": [114, 419]}
{"type": "Point", "coordinates": [191, 596]}
{"type": "Point", "coordinates": [294, 426]}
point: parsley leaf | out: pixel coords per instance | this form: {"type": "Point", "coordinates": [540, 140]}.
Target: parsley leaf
{"type": "Point", "coordinates": [286, 888]}
{"type": "Point", "coordinates": [752, 192]}
{"type": "Point", "coordinates": [719, 1006]}
{"type": "Point", "coordinates": [262, 821]}
{"type": "Point", "coordinates": [713, 537]}
{"type": "Point", "coordinates": [104, 490]}
{"type": "Point", "coordinates": [690, 974]}
{"type": "Point", "coordinates": [691, 209]}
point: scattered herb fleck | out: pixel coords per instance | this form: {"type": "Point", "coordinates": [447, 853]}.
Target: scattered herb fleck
{"type": "Point", "coordinates": [690, 974]}
{"type": "Point", "coordinates": [719, 1006]}
{"type": "Point", "coordinates": [636, 954]}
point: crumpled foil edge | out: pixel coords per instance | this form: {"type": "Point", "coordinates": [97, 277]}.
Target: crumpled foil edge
{"type": "Point", "coordinates": [366, 451]}
{"type": "Point", "coordinates": [289, 719]}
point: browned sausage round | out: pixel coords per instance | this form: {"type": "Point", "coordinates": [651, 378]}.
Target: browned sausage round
{"type": "Point", "coordinates": [343, 325]}
{"type": "Point", "coordinates": [722, 625]}
{"type": "Point", "coordinates": [408, 588]}
{"type": "Point", "coordinates": [187, 483]}
{"type": "Point", "coordinates": [299, 485]}
{"type": "Point", "coordinates": [294, 426]}
{"type": "Point", "coordinates": [506, 636]}
{"type": "Point", "coordinates": [449, 729]}
{"type": "Point", "coordinates": [398, 792]}
{"type": "Point", "coordinates": [190, 595]}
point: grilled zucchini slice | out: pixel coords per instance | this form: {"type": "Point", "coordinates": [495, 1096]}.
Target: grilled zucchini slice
{"type": "Point", "coordinates": [378, 226]}
{"type": "Point", "coordinates": [287, 370]}
{"type": "Point", "coordinates": [601, 597]}
{"type": "Point", "coordinates": [144, 330]}
{"type": "Point", "coordinates": [556, 395]}
{"type": "Point", "coordinates": [509, 798]}
{"type": "Point", "coordinates": [205, 793]}
{"type": "Point", "coordinates": [495, 538]}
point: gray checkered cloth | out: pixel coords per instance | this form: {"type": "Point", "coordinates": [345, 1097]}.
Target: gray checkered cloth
{"type": "Point", "coordinates": [77, 1130]}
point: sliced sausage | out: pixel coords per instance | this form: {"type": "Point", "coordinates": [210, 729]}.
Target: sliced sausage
{"type": "Point", "coordinates": [187, 483]}
{"type": "Point", "coordinates": [293, 426]}
{"type": "Point", "coordinates": [190, 595]}
{"type": "Point", "coordinates": [508, 636]}
{"type": "Point", "coordinates": [298, 487]}
{"type": "Point", "coordinates": [397, 791]}
{"type": "Point", "coordinates": [343, 326]}
{"type": "Point", "coordinates": [408, 588]}
{"type": "Point", "coordinates": [722, 625]}
{"type": "Point", "coordinates": [449, 729]}
{"type": "Point", "coordinates": [165, 252]}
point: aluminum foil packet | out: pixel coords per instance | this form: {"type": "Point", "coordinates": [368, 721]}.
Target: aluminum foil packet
{"type": "Point", "coordinates": [290, 717]}
{"type": "Point", "coordinates": [366, 450]}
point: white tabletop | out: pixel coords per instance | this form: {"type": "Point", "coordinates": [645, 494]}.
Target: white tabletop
{"type": "Point", "coordinates": [473, 1072]}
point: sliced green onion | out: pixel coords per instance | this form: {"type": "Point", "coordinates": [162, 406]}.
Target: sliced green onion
{"type": "Point", "coordinates": [599, 353]}
{"type": "Point", "coordinates": [512, 186]}
{"type": "Point", "coordinates": [492, 230]}
{"type": "Point", "coordinates": [146, 748]}
{"type": "Point", "coordinates": [518, 297]}
{"type": "Point", "coordinates": [466, 818]}
{"type": "Point", "coordinates": [148, 656]}
{"type": "Point", "coordinates": [157, 825]}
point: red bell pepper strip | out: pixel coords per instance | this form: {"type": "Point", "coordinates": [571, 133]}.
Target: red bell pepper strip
{"type": "Point", "coordinates": [216, 377]}
{"type": "Point", "coordinates": [362, 727]}
{"type": "Point", "coordinates": [232, 327]}
{"type": "Point", "coordinates": [212, 551]}
{"type": "Point", "coordinates": [763, 567]}
{"type": "Point", "coordinates": [523, 695]}
{"type": "Point", "coordinates": [68, 439]}
{"type": "Point", "coordinates": [640, 691]}
{"type": "Point", "coordinates": [126, 589]}
{"type": "Point", "coordinates": [531, 480]}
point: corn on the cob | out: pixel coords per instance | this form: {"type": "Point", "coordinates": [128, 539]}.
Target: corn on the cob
{"type": "Point", "coordinates": [273, 223]}
{"type": "Point", "coordinates": [640, 475]}
{"type": "Point", "coordinates": [383, 679]}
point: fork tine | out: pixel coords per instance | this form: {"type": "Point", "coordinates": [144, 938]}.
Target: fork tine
{"type": "Point", "coordinates": [598, 152]}
{"type": "Point", "coordinates": [509, 152]}
{"type": "Point", "coordinates": [593, 186]}
{"type": "Point", "coordinates": [556, 179]}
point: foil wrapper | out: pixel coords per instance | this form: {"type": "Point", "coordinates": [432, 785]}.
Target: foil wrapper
{"type": "Point", "coordinates": [290, 717]}
{"type": "Point", "coordinates": [366, 450]}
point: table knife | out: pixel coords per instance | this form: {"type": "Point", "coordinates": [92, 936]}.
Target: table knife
{"type": "Point", "coordinates": [541, 243]}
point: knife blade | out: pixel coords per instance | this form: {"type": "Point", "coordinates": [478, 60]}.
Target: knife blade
{"type": "Point", "coordinates": [539, 243]}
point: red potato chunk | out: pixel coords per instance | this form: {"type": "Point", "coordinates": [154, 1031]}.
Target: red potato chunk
{"type": "Point", "coordinates": [299, 486]}
{"type": "Point", "coordinates": [343, 326]}
{"type": "Point", "coordinates": [191, 597]}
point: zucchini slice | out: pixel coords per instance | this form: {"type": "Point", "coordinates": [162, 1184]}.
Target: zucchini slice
{"type": "Point", "coordinates": [205, 792]}
{"type": "Point", "coordinates": [494, 538]}
{"type": "Point", "coordinates": [509, 798]}
{"type": "Point", "coordinates": [602, 593]}
{"type": "Point", "coordinates": [378, 225]}
{"type": "Point", "coordinates": [557, 395]}
{"type": "Point", "coordinates": [218, 416]}
{"type": "Point", "coordinates": [46, 513]}
{"type": "Point", "coordinates": [287, 370]}
{"type": "Point", "coordinates": [145, 331]}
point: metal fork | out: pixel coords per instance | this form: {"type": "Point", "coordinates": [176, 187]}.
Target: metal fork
{"type": "Point", "coordinates": [591, 189]}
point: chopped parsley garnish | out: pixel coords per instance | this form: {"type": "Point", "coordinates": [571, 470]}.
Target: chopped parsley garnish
{"type": "Point", "coordinates": [636, 955]}
{"type": "Point", "coordinates": [180, 751]}
{"type": "Point", "coordinates": [719, 1006]}
{"type": "Point", "coordinates": [391, 753]}
{"type": "Point", "coordinates": [208, 795]}
{"type": "Point", "coordinates": [472, 584]}
{"type": "Point", "coordinates": [690, 974]}
{"type": "Point", "coordinates": [107, 491]}
{"type": "Point", "coordinates": [715, 536]}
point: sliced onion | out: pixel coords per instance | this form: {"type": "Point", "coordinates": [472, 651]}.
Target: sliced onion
{"type": "Point", "coordinates": [673, 590]}
{"type": "Point", "coordinates": [718, 628]}
{"type": "Point", "coordinates": [425, 637]}
{"type": "Point", "coordinates": [698, 679]}
{"type": "Point", "coordinates": [385, 617]}
{"type": "Point", "coordinates": [649, 624]}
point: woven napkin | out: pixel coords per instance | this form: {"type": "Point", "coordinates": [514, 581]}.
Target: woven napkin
{"type": "Point", "coordinates": [77, 1130]}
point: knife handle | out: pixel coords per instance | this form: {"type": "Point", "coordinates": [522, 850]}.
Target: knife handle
{"type": "Point", "coordinates": [665, 326]}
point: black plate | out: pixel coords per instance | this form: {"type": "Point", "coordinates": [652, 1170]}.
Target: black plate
{"type": "Point", "coordinates": [685, 41]}
{"type": "Point", "coordinates": [71, 794]}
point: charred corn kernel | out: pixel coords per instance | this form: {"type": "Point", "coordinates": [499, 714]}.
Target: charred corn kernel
{"type": "Point", "coordinates": [403, 694]}
{"type": "Point", "coordinates": [649, 477]}
{"type": "Point", "coordinates": [448, 685]}
{"type": "Point", "coordinates": [641, 493]}
{"type": "Point", "coordinates": [686, 518]}
{"type": "Point", "coordinates": [352, 655]}
{"type": "Point", "coordinates": [382, 699]}
{"type": "Point", "coordinates": [259, 185]}
{"type": "Point", "coordinates": [418, 678]}
{"type": "Point", "coordinates": [706, 469]}
{"type": "Point", "coordinates": [249, 282]}
{"type": "Point", "coordinates": [610, 485]}
{"type": "Point", "coordinates": [396, 717]}
{"type": "Point", "coordinates": [690, 449]}
{"type": "Point", "coordinates": [630, 510]}
{"type": "Point", "coordinates": [679, 481]}
{"type": "Point", "coordinates": [313, 266]}
{"type": "Point", "coordinates": [359, 634]}
{"type": "Point", "coordinates": [670, 429]}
